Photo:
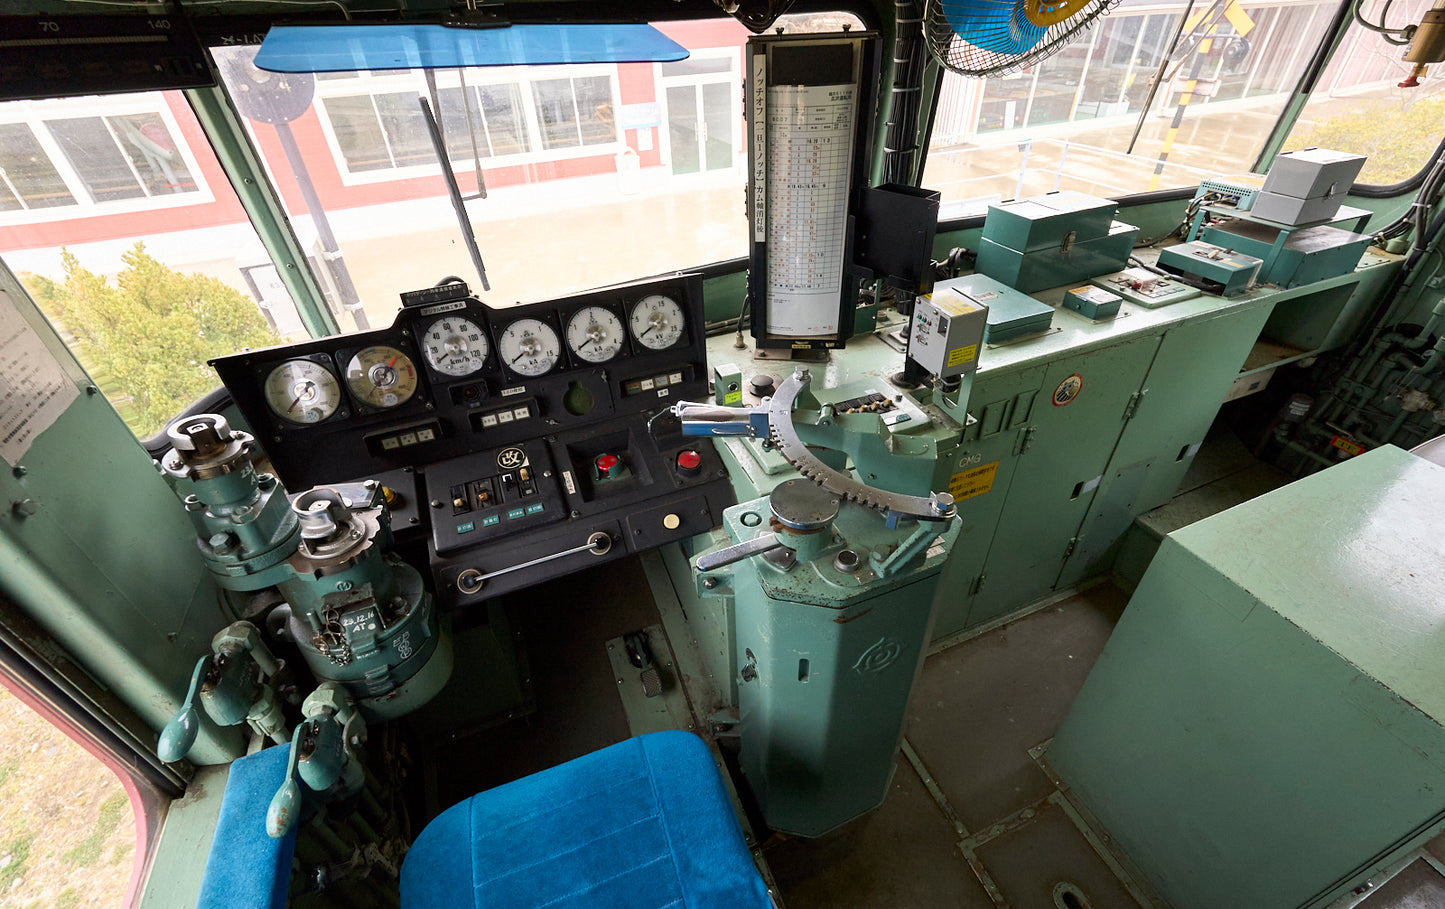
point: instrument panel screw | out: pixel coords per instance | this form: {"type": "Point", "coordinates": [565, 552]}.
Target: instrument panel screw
{"type": "Point", "coordinates": [19, 470]}
{"type": "Point", "coordinates": [23, 508]}
{"type": "Point", "coordinates": [709, 583]}
{"type": "Point", "coordinates": [92, 390]}
{"type": "Point", "coordinates": [436, 503]}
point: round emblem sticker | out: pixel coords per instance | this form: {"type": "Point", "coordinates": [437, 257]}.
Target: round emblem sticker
{"type": "Point", "coordinates": [1068, 390]}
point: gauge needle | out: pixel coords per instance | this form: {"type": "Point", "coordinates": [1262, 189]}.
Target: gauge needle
{"type": "Point", "coordinates": [305, 389]}
{"type": "Point", "coordinates": [519, 356]}
{"type": "Point", "coordinates": [649, 328]}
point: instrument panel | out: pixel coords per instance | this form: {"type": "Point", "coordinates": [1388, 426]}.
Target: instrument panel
{"type": "Point", "coordinates": [453, 375]}
{"type": "Point", "coordinates": [523, 440]}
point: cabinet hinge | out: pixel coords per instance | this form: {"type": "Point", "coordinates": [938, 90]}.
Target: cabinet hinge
{"type": "Point", "coordinates": [1133, 406]}
{"type": "Point", "coordinates": [977, 584]}
{"type": "Point", "coordinates": [1069, 549]}
{"type": "Point", "coordinates": [1026, 438]}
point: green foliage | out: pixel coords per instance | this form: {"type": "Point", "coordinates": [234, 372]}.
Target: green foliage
{"type": "Point", "coordinates": [149, 335]}
{"type": "Point", "coordinates": [87, 851]}
{"type": "Point", "coordinates": [1396, 137]}
{"type": "Point", "coordinates": [14, 857]}
{"type": "Point", "coordinates": [8, 767]}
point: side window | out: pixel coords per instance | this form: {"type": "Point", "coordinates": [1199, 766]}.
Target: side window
{"type": "Point", "coordinates": [1359, 106]}
{"type": "Point", "coordinates": [1125, 108]}
{"type": "Point", "coordinates": [70, 832]}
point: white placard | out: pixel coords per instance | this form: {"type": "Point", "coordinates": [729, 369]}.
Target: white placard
{"type": "Point", "coordinates": [34, 388]}
{"type": "Point", "coordinates": [809, 152]}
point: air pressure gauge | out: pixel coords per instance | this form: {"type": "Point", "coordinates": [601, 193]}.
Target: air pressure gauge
{"type": "Point", "coordinates": [594, 334]}
{"type": "Point", "coordinates": [455, 346]}
{"type": "Point", "coordinates": [657, 322]}
{"type": "Point", "coordinates": [381, 377]}
{"type": "Point", "coordinates": [529, 347]}
{"type": "Point", "coordinates": [302, 391]}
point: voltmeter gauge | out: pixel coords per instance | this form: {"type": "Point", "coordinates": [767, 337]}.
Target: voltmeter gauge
{"type": "Point", "coordinates": [381, 377]}
{"type": "Point", "coordinates": [302, 391]}
{"type": "Point", "coordinates": [657, 322]}
{"type": "Point", "coordinates": [455, 346]}
{"type": "Point", "coordinates": [594, 334]}
{"type": "Point", "coordinates": [529, 347]}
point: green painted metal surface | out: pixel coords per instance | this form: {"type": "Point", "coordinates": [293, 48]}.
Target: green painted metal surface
{"type": "Point", "coordinates": [827, 660]}
{"type": "Point", "coordinates": [135, 617]}
{"type": "Point", "coordinates": [1264, 727]}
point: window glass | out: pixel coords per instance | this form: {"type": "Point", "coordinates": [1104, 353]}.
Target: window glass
{"type": "Point", "coordinates": [590, 174]}
{"type": "Point", "coordinates": [1359, 106]}
{"type": "Point", "coordinates": [1070, 120]}
{"type": "Point", "coordinates": [67, 825]}
{"type": "Point", "coordinates": [130, 239]}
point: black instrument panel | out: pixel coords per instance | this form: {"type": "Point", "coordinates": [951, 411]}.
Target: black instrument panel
{"type": "Point", "coordinates": [513, 436]}
{"type": "Point", "coordinates": [454, 377]}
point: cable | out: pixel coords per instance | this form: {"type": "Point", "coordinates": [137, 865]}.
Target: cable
{"type": "Point", "coordinates": [1395, 36]}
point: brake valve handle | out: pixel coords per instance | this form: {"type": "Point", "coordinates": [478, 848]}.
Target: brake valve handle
{"type": "Point", "coordinates": [179, 735]}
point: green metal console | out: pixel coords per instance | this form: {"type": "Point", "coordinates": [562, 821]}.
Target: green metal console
{"type": "Point", "coordinates": [1266, 726]}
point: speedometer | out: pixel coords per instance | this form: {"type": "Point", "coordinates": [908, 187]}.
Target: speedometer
{"type": "Point", "coordinates": [455, 346]}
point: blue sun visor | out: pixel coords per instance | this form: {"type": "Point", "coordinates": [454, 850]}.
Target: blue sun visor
{"type": "Point", "coordinates": [343, 48]}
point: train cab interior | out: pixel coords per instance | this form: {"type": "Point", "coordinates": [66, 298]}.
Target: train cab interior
{"type": "Point", "coordinates": [970, 453]}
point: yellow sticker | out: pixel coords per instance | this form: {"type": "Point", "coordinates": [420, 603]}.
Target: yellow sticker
{"type": "Point", "coordinates": [974, 482]}
{"type": "Point", "coordinates": [733, 397]}
{"type": "Point", "coordinates": [962, 355]}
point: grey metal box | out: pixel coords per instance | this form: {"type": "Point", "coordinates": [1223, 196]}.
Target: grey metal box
{"type": "Point", "coordinates": [948, 327]}
{"type": "Point", "coordinates": [1295, 211]}
{"type": "Point", "coordinates": [1311, 173]}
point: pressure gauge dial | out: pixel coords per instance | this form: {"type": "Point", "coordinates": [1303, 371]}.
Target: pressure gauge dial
{"type": "Point", "coordinates": [455, 346]}
{"type": "Point", "coordinates": [594, 334]}
{"type": "Point", "coordinates": [302, 391]}
{"type": "Point", "coordinates": [381, 377]}
{"type": "Point", "coordinates": [657, 322]}
{"type": "Point", "coordinates": [529, 347]}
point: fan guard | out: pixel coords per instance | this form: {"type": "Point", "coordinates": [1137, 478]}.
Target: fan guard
{"type": "Point", "coordinates": [993, 37]}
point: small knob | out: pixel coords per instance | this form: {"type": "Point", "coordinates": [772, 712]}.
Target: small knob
{"type": "Point", "coordinates": [762, 386]}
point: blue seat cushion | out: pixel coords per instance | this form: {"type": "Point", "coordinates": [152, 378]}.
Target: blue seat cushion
{"type": "Point", "coordinates": [643, 824]}
{"type": "Point", "coordinates": [246, 868]}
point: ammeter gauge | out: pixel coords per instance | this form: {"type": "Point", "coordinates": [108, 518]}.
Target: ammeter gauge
{"type": "Point", "coordinates": [529, 347]}
{"type": "Point", "coordinates": [657, 322]}
{"type": "Point", "coordinates": [595, 334]}
{"type": "Point", "coordinates": [381, 377]}
{"type": "Point", "coordinates": [302, 391]}
{"type": "Point", "coordinates": [455, 346]}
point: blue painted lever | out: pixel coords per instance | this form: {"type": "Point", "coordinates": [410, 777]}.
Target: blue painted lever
{"type": "Point", "coordinates": [180, 733]}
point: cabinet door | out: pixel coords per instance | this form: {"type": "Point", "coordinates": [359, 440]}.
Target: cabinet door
{"type": "Point", "coordinates": [1076, 425]}
{"type": "Point", "coordinates": [978, 474]}
{"type": "Point", "coordinates": [1185, 387]}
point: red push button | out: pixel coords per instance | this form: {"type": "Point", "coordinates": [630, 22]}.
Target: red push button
{"type": "Point", "coordinates": [689, 462]}
{"type": "Point", "coordinates": [608, 466]}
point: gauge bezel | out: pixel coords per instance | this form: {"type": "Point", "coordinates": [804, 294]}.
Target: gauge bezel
{"type": "Point", "coordinates": [343, 357]}
{"type": "Point", "coordinates": [322, 361]}
{"type": "Point", "coordinates": [684, 334]}
{"type": "Point", "coordinates": [423, 330]}
{"type": "Point", "coordinates": [547, 319]}
{"type": "Point", "coordinates": [623, 342]}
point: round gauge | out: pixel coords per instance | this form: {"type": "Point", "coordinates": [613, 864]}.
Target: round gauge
{"type": "Point", "coordinates": [302, 391]}
{"type": "Point", "coordinates": [455, 346]}
{"type": "Point", "coordinates": [594, 334]}
{"type": "Point", "coordinates": [381, 376]}
{"type": "Point", "coordinates": [657, 322]}
{"type": "Point", "coordinates": [529, 347]}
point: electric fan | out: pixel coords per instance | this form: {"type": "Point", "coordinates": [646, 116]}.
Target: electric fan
{"type": "Point", "coordinates": [992, 37]}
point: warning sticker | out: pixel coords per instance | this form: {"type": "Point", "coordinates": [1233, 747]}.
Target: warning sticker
{"type": "Point", "coordinates": [962, 355]}
{"type": "Point", "coordinates": [973, 482]}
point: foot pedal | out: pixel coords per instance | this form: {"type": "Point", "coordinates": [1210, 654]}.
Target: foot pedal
{"type": "Point", "coordinates": [639, 654]}
{"type": "Point", "coordinates": [651, 682]}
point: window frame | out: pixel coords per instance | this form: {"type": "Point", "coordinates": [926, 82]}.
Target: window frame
{"type": "Point", "coordinates": [32, 115]}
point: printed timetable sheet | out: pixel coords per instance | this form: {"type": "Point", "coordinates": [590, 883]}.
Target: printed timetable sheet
{"type": "Point", "coordinates": [809, 149]}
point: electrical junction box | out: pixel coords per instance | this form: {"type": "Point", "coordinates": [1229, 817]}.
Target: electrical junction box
{"type": "Point", "coordinates": [727, 385]}
{"type": "Point", "coordinates": [1145, 288]}
{"type": "Point", "coordinates": [1295, 212]}
{"type": "Point", "coordinates": [1292, 257]}
{"type": "Point", "coordinates": [1212, 268]}
{"type": "Point", "coordinates": [1237, 190]}
{"type": "Point", "coordinates": [1093, 302]}
{"type": "Point", "coordinates": [1047, 221]}
{"type": "Point", "coordinates": [1076, 259]}
{"type": "Point", "coordinates": [948, 327]}
{"type": "Point", "coordinates": [1313, 173]}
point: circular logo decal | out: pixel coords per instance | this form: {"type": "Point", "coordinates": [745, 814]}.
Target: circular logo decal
{"type": "Point", "coordinates": [878, 657]}
{"type": "Point", "coordinates": [511, 458]}
{"type": "Point", "coordinates": [1068, 390]}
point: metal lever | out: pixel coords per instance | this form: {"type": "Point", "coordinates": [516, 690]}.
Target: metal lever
{"type": "Point", "coordinates": [763, 542]}
{"type": "Point", "coordinates": [712, 420]}
{"type": "Point", "coordinates": [470, 580]}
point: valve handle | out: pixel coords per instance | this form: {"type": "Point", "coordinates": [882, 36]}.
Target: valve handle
{"type": "Point", "coordinates": [180, 733]}
{"type": "Point", "coordinates": [285, 805]}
